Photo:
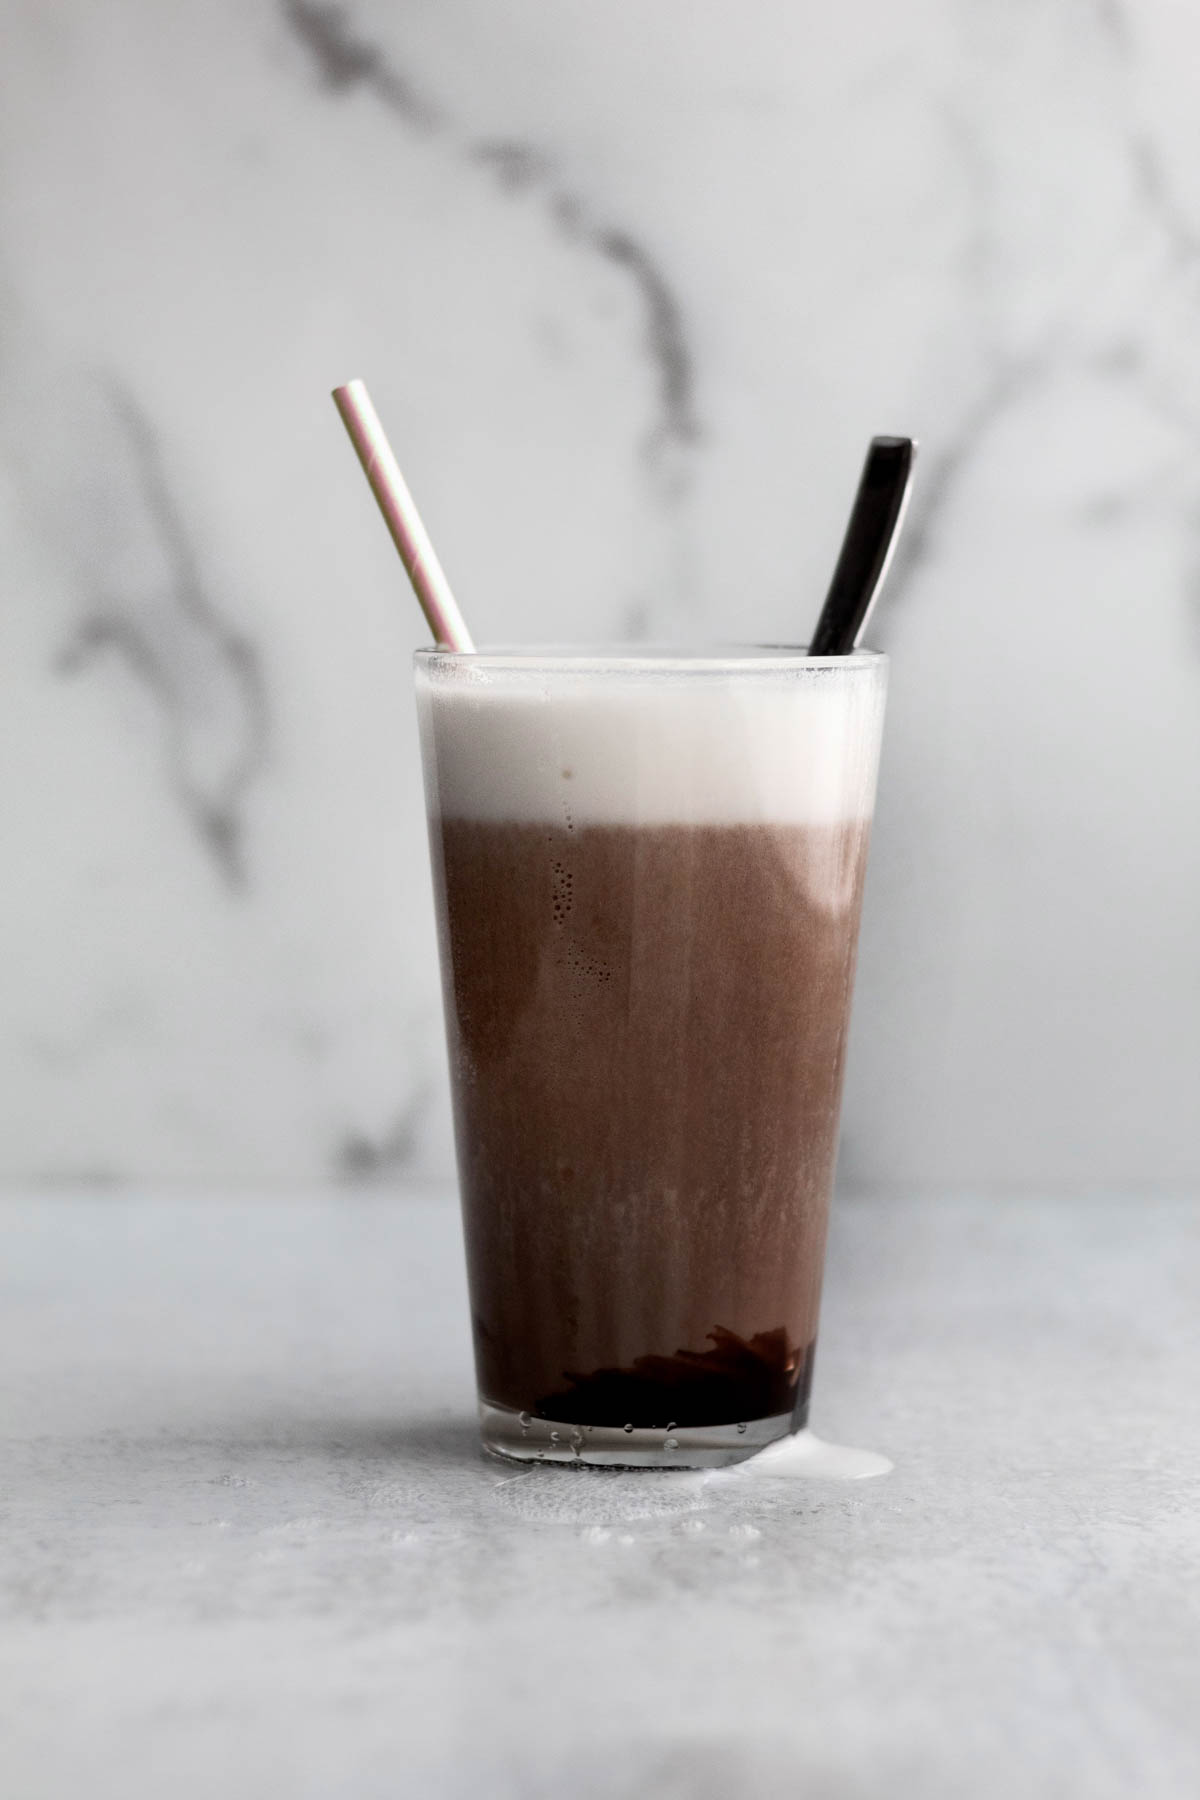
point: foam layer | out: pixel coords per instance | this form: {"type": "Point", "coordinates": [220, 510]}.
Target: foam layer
{"type": "Point", "coordinates": [650, 748]}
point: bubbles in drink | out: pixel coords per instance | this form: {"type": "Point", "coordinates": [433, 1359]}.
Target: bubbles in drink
{"type": "Point", "coordinates": [627, 1428]}
{"type": "Point", "coordinates": [672, 1443]}
{"type": "Point", "coordinates": [585, 968]}
{"type": "Point", "coordinates": [562, 893]}
{"type": "Point", "coordinates": [741, 1425]}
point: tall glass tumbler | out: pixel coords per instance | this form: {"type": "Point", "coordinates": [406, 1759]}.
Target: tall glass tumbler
{"type": "Point", "coordinates": [648, 869]}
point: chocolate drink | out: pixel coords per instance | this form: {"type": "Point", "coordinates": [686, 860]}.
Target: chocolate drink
{"type": "Point", "coordinates": [648, 900]}
{"type": "Point", "coordinates": [649, 1029]}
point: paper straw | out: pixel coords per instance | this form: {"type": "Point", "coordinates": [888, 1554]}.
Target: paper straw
{"type": "Point", "coordinates": [401, 516]}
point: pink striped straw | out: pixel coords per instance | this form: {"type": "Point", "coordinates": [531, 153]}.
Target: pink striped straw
{"type": "Point", "coordinates": [401, 516]}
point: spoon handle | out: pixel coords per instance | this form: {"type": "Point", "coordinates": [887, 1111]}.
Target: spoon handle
{"type": "Point", "coordinates": [867, 547]}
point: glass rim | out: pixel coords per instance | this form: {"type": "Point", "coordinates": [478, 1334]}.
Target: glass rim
{"type": "Point", "coordinates": [656, 658]}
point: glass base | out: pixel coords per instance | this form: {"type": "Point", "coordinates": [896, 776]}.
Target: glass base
{"type": "Point", "coordinates": [520, 1437]}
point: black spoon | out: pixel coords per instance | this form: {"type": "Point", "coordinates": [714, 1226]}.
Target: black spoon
{"type": "Point", "coordinates": [871, 535]}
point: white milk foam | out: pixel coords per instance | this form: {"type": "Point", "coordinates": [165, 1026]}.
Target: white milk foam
{"type": "Point", "coordinates": [644, 747]}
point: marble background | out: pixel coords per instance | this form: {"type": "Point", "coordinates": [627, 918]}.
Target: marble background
{"type": "Point", "coordinates": [632, 285]}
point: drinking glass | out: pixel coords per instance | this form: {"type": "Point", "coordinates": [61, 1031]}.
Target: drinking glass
{"type": "Point", "coordinates": [648, 869]}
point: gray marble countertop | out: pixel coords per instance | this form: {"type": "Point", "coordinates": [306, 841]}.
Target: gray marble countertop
{"type": "Point", "coordinates": [249, 1546]}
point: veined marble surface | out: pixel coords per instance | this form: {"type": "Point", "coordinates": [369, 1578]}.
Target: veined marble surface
{"type": "Point", "coordinates": [250, 1546]}
{"type": "Point", "coordinates": [632, 285]}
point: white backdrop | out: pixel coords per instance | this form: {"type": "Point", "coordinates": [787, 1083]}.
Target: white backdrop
{"type": "Point", "coordinates": [632, 284]}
